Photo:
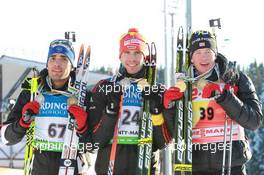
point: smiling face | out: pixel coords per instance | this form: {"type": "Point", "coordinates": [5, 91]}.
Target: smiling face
{"type": "Point", "coordinates": [59, 68]}
{"type": "Point", "coordinates": [203, 60]}
{"type": "Point", "coordinates": [132, 60]}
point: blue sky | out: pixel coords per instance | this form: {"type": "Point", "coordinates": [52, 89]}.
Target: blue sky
{"type": "Point", "coordinates": [28, 26]}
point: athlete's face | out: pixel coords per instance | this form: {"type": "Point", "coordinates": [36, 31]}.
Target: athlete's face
{"type": "Point", "coordinates": [59, 68]}
{"type": "Point", "coordinates": [203, 60]}
{"type": "Point", "coordinates": [132, 60]}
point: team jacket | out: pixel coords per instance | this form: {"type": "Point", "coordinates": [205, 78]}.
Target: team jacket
{"type": "Point", "coordinates": [103, 130]}
{"type": "Point", "coordinates": [52, 112]}
{"type": "Point", "coordinates": [242, 106]}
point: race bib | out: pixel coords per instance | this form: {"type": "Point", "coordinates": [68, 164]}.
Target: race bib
{"type": "Point", "coordinates": [50, 124]}
{"type": "Point", "coordinates": [131, 111]}
{"type": "Point", "coordinates": [209, 119]}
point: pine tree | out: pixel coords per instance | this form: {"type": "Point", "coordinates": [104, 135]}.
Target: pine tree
{"type": "Point", "coordinates": [256, 138]}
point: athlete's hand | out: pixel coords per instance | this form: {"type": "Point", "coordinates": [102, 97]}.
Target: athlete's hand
{"type": "Point", "coordinates": [28, 111]}
{"type": "Point", "coordinates": [231, 74]}
{"type": "Point", "coordinates": [170, 96]}
{"type": "Point", "coordinates": [155, 96]}
{"type": "Point", "coordinates": [212, 90]}
{"type": "Point", "coordinates": [80, 116]}
{"type": "Point", "coordinates": [114, 93]}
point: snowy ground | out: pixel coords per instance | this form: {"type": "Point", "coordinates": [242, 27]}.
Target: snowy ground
{"type": "Point", "coordinates": [11, 159]}
{"type": "Point", "coordinates": [9, 171]}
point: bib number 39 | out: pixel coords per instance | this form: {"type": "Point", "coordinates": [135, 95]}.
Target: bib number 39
{"type": "Point", "coordinates": [209, 112]}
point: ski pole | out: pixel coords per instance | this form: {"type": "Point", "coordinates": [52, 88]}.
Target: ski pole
{"type": "Point", "coordinates": [112, 158]}
{"type": "Point", "coordinates": [224, 153]}
{"type": "Point", "coordinates": [225, 147]}
{"type": "Point", "coordinates": [231, 66]}
{"type": "Point", "coordinates": [230, 149]}
{"type": "Point", "coordinates": [29, 156]}
{"type": "Point", "coordinates": [216, 23]}
{"type": "Point", "coordinates": [213, 23]}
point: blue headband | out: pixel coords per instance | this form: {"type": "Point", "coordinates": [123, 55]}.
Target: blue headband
{"type": "Point", "coordinates": [58, 47]}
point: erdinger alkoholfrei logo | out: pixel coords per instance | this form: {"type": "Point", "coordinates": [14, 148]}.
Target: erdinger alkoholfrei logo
{"type": "Point", "coordinates": [54, 106]}
{"type": "Point", "coordinates": [132, 96]}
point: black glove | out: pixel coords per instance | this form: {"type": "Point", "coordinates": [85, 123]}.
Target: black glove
{"type": "Point", "coordinates": [228, 70]}
{"type": "Point", "coordinates": [231, 74]}
{"type": "Point", "coordinates": [224, 95]}
{"type": "Point", "coordinates": [113, 93]}
{"type": "Point", "coordinates": [155, 96]}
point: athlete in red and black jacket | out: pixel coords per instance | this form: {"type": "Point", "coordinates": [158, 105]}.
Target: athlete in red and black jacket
{"type": "Point", "coordinates": [105, 106]}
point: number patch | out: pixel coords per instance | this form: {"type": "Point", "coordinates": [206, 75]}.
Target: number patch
{"type": "Point", "coordinates": [56, 130]}
{"type": "Point", "coordinates": [129, 118]}
{"type": "Point", "coordinates": [209, 112]}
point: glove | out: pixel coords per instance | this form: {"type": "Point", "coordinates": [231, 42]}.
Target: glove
{"type": "Point", "coordinates": [113, 99]}
{"type": "Point", "coordinates": [28, 111]}
{"type": "Point", "coordinates": [228, 70]}
{"type": "Point", "coordinates": [155, 96]}
{"type": "Point", "coordinates": [170, 95]}
{"type": "Point", "coordinates": [154, 92]}
{"type": "Point", "coordinates": [227, 92]}
{"type": "Point", "coordinates": [231, 74]}
{"type": "Point", "coordinates": [80, 116]}
{"type": "Point", "coordinates": [221, 97]}
{"type": "Point", "coordinates": [212, 90]}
